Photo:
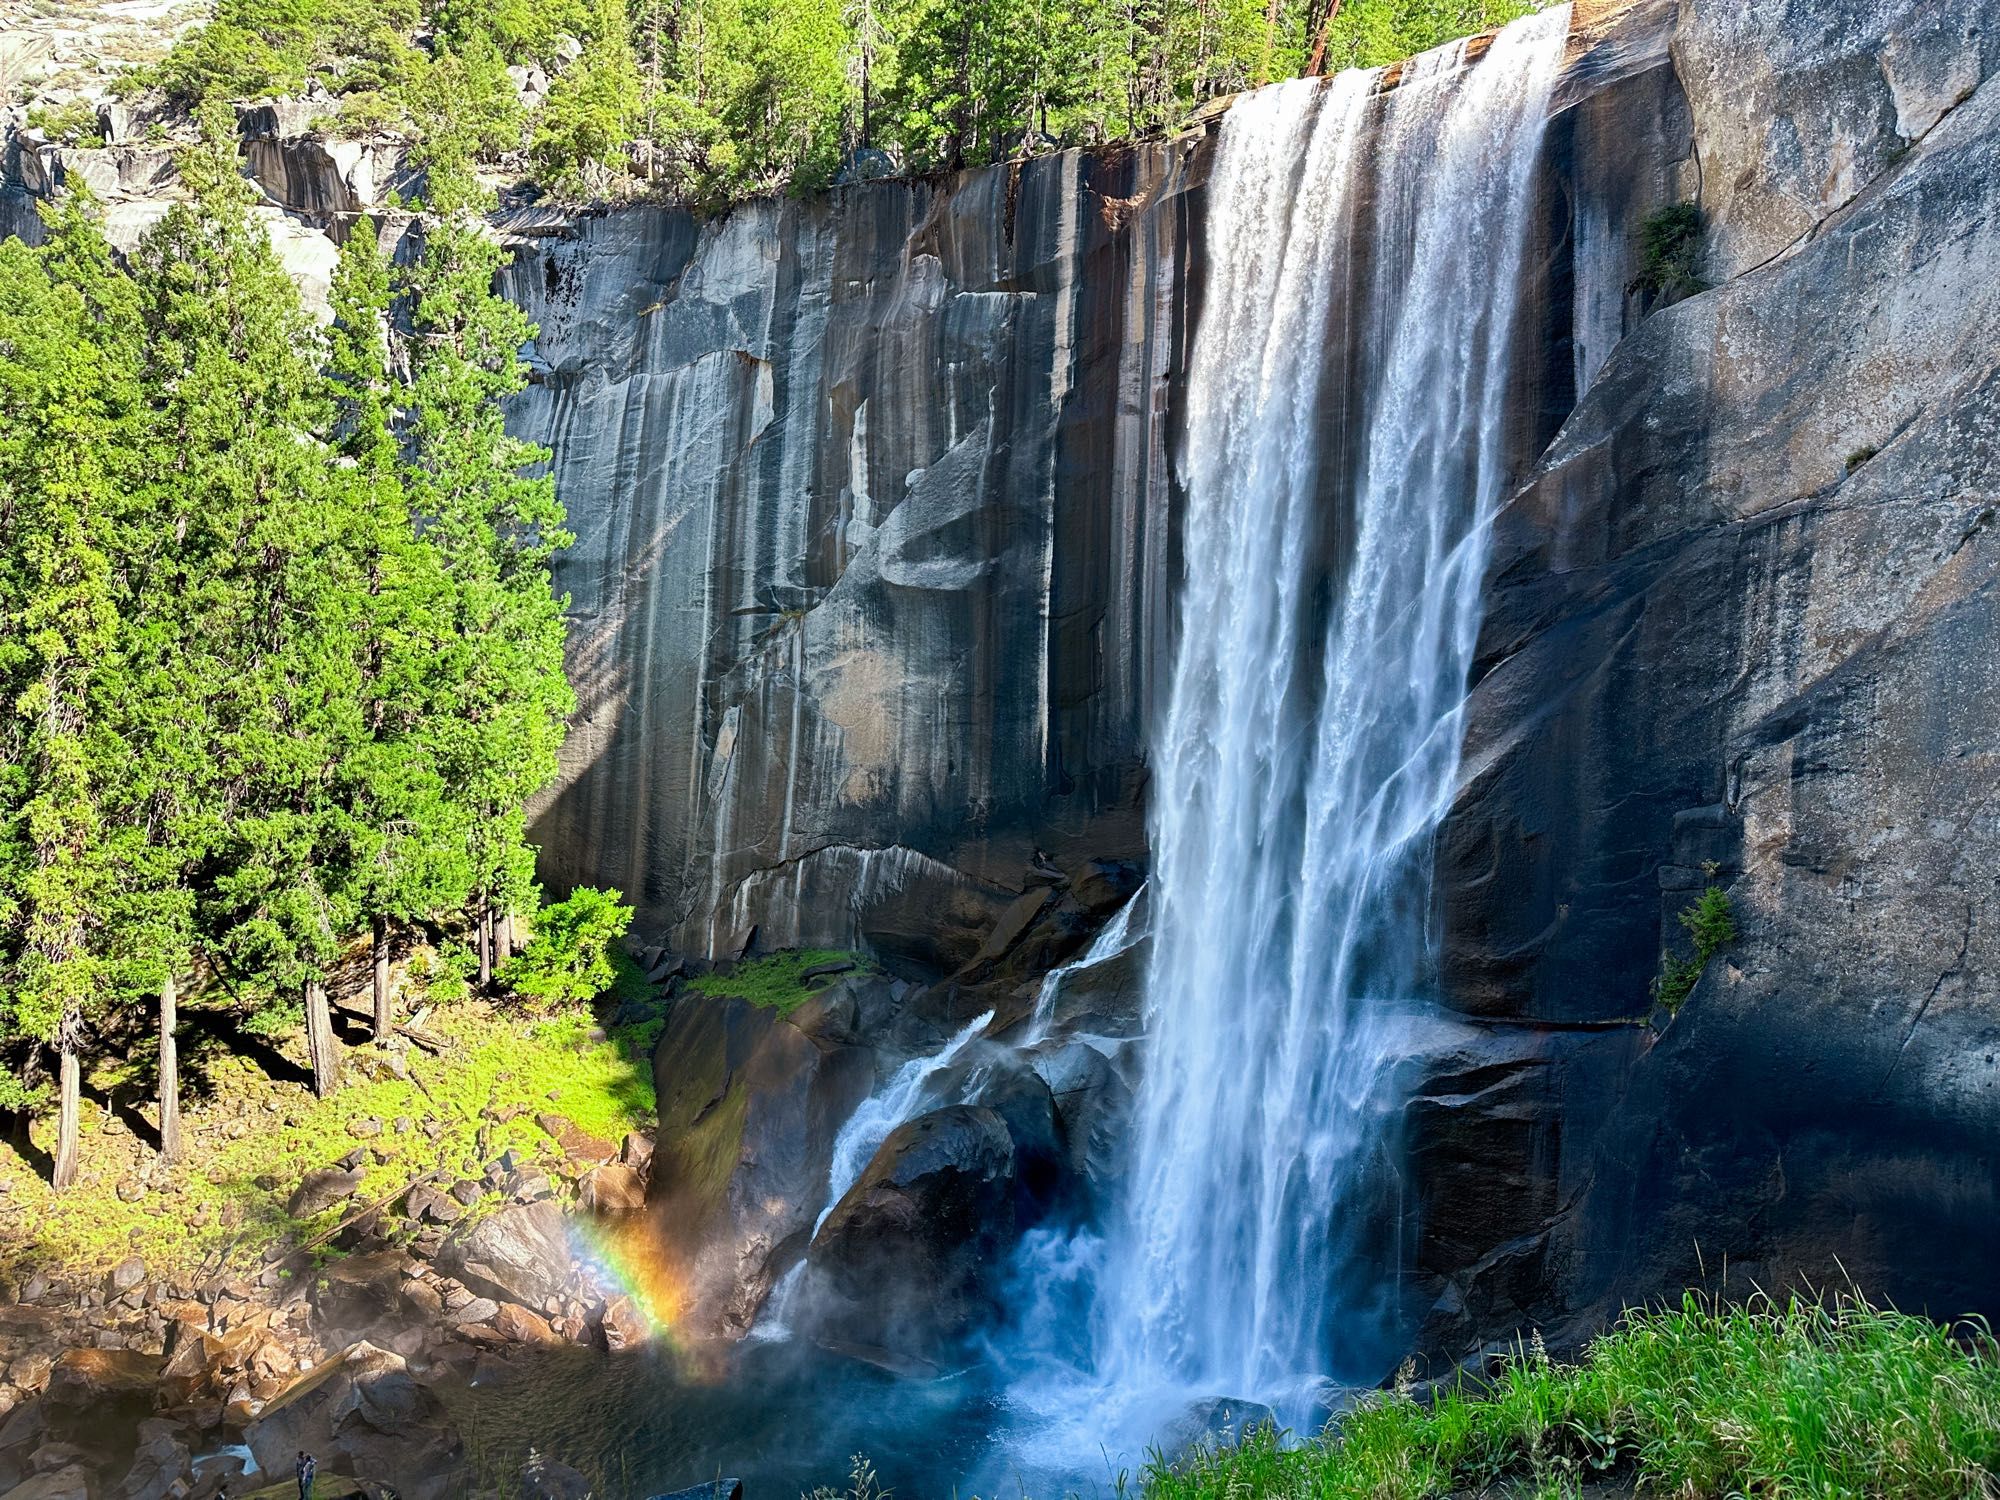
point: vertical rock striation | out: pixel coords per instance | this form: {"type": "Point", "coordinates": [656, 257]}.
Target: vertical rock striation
{"type": "Point", "coordinates": [872, 498]}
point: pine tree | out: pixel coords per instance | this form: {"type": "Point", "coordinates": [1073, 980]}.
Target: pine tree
{"type": "Point", "coordinates": [58, 668]}
{"type": "Point", "coordinates": [409, 858]}
{"type": "Point", "coordinates": [494, 529]}
{"type": "Point", "coordinates": [243, 605]}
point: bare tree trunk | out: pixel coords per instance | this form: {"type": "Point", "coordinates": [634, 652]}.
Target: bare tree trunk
{"type": "Point", "coordinates": [71, 1072]}
{"type": "Point", "coordinates": [170, 1072]}
{"type": "Point", "coordinates": [321, 1048]}
{"type": "Point", "coordinates": [483, 924]}
{"type": "Point", "coordinates": [385, 1017]}
{"type": "Point", "coordinates": [503, 938]}
{"type": "Point", "coordinates": [1317, 62]}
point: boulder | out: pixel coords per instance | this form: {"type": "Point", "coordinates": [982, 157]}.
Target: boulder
{"type": "Point", "coordinates": [518, 1254]}
{"type": "Point", "coordinates": [545, 1479]}
{"type": "Point", "coordinates": [1212, 1424]}
{"type": "Point", "coordinates": [72, 1483]}
{"type": "Point", "coordinates": [1093, 1105]}
{"type": "Point", "coordinates": [360, 1412]}
{"type": "Point", "coordinates": [319, 1190]}
{"type": "Point", "coordinates": [127, 1275]}
{"type": "Point", "coordinates": [612, 1189]}
{"type": "Point", "coordinates": [360, 1292]}
{"type": "Point", "coordinates": [92, 1386]}
{"type": "Point", "coordinates": [517, 1323]}
{"type": "Point", "coordinates": [623, 1325]}
{"type": "Point", "coordinates": [427, 1205]}
{"type": "Point", "coordinates": [160, 1469]}
{"type": "Point", "coordinates": [577, 1144]}
{"type": "Point", "coordinates": [907, 1260]}
{"type": "Point", "coordinates": [478, 1310]}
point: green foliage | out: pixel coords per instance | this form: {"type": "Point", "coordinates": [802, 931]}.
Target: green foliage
{"type": "Point", "coordinates": [279, 654]}
{"type": "Point", "coordinates": [1670, 242]}
{"type": "Point", "coordinates": [777, 981]}
{"type": "Point", "coordinates": [589, 115]}
{"type": "Point", "coordinates": [1710, 920]}
{"type": "Point", "coordinates": [569, 957]}
{"type": "Point", "coordinates": [1793, 1398]}
{"type": "Point", "coordinates": [72, 123]}
{"type": "Point", "coordinates": [717, 100]}
{"type": "Point", "coordinates": [481, 1096]}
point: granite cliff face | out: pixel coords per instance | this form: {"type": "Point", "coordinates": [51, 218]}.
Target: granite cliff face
{"type": "Point", "coordinates": [878, 538]}
{"type": "Point", "coordinates": [1742, 616]}
{"type": "Point", "coordinates": [872, 499]}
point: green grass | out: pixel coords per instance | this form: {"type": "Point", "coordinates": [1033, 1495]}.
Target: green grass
{"type": "Point", "coordinates": [211, 1211]}
{"type": "Point", "coordinates": [1794, 1399]}
{"type": "Point", "coordinates": [775, 981]}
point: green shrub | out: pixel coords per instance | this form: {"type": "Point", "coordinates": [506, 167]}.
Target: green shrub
{"type": "Point", "coordinates": [568, 958]}
{"type": "Point", "coordinates": [1711, 922]}
{"type": "Point", "coordinates": [1670, 241]}
{"type": "Point", "coordinates": [1800, 1398]}
{"type": "Point", "coordinates": [73, 123]}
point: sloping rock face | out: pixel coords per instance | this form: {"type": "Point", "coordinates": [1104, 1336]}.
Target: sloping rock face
{"type": "Point", "coordinates": [1742, 621]}
{"type": "Point", "coordinates": [872, 502]}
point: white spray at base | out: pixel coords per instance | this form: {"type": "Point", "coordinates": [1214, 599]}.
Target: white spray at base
{"type": "Point", "coordinates": [1344, 457]}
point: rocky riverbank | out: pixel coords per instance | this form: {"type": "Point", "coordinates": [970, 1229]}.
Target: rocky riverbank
{"type": "Point", "coordinates": [142, 1388]}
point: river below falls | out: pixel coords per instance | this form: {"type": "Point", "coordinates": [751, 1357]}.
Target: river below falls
{"type": "Point", "coordinates": [782, 1419]}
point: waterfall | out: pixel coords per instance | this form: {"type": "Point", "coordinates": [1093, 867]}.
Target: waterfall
{"type": "Point", "coordinates": [1343, 458]}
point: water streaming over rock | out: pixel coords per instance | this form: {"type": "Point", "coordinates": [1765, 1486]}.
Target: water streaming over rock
{"type": "Point", "coordinates": [1343, 457]}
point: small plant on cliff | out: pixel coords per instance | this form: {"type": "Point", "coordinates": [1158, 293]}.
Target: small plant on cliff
{"type": "Point", "coordinates": [1711, 922]}
{"type": "Point", "coordinates": [1670, 242]}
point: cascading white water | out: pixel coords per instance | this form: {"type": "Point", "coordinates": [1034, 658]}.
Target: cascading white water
{"type": "Point", "coordinates": [1335, 541]}
{"type": "Point", "coordinates": [1112, 939]}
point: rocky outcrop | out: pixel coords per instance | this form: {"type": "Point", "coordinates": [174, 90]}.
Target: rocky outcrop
{"type": "Point", "coordinates": [910, 1258]}
{"type": "Point", "coordinates": [1741, 621]}
{"type": "Point", "coordinates": [750, 1103]}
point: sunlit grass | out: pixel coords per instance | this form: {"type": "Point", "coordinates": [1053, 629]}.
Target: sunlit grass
{"type": "Point", "coordinates": [478, 1098]}
{"type": "Point", "coordinates": [1782, 1399]}
{"type": "Point", "coordinates": [776, 981]}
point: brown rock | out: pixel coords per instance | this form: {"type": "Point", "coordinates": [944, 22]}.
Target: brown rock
{"type": "Point", "coordinates": [320, 1190]}
{"type": "Point", "coordinates": [520, 1254]}
{"type": "Point", "coordinates": [612, 1189]}
{"type": "Point", "coordinates": [88, 1380]}
{"type": "Point", "coordinates": [576, 1143]}
{"type": "Point", "coordinates": [516, 1323]}
{"type": "Point", "coordinates": [622, 1324]}
{"type": "Point", "coordinates": [72, 1483]}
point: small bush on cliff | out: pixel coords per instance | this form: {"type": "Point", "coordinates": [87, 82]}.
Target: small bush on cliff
{"type": "Point", "coordinates": [569, 957]}
{"type": "Point", "coordinates": [1798, 1398]}
{"type": "Point", "coordinates": [1670, 242]}
{"type": "Point", "coordinates": [1711, 922]}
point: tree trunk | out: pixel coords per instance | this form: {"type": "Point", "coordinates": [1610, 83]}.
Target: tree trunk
{"type": "Point", "coordinates": [170, 1073]}
{"type": "Point", "coordinates": [321, 1048]}
{"type": "Point", "coordinates": [483, 926]}
{"type": "Point", "coordinates": [503, 936]}
{"type": "Point", "coordinates": [71, 1070]}
{"type": "Point", "coordinates": [1316, 64]}
{"type": "Point", "coordinates": [385, 1018]}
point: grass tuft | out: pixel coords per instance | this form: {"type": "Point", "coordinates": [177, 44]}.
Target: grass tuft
{"type": "Point", "coordinates": [1796, 1398]}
